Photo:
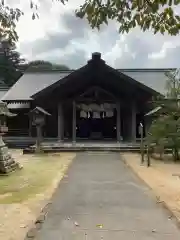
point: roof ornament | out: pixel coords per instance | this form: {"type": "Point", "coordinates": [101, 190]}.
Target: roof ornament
{"type": "Point", "coordinates": [96, 56]}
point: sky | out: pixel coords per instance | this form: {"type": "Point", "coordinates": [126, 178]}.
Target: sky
{"type": "Point", "coordinates": [60, 37]}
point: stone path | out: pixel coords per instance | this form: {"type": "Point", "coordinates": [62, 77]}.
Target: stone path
{"type": "Point", "coordinates": [101, 199]}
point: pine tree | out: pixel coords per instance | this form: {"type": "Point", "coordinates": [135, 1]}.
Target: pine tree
{"type": "Point", "coordinates": [10, 61]}
{"type": "Point", "coordinates": [165, 129]}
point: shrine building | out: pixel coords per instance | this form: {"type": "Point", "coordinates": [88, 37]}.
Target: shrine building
{"type": "Point", "coordinates": [94, 102]}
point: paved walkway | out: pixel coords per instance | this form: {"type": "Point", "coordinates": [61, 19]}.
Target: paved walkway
{"type": "Point", "coordinates": [100, 189]}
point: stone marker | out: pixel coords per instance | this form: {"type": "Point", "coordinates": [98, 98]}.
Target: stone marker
{"type": "Point", "coordinates": [7, 163]}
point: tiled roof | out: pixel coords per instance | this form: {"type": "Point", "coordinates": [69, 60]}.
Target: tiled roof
{"type": "Point", "coordinates": [152, 78]}
{"type": "Point", "coordinates": [31, 83]}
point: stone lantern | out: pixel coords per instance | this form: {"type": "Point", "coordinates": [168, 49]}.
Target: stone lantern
{"type": "Point", "coordinates": [38, 115]}
{"type": "Point", "coordinates": [7, 163]}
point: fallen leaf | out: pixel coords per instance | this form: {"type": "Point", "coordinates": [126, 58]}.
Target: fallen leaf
{"type": "Point", "coordinates": [76, 224]}
{"type": "Point", "coordinates": [23, 226]}
{"type": "Point", "coordinates": [99, 225]}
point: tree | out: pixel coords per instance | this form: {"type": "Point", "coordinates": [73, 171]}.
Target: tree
{"type": "Point", "coordinates": [165, 129]}
{"type": "Point", "coordinates": [10, 61]}
{"type": "Point", "coordinates": [38, 65]}
{"type": "Point", "coordinates": [8, 19]}
{"type": "Point", "coordinates": [60, 67]}
{"type": "Point", "coordinates": [158, 15]}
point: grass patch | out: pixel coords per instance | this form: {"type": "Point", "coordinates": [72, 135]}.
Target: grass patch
{"type": "Point", "coordinates": [37, 174]}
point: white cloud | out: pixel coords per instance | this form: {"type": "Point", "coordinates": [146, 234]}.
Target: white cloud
{"type": "Point", "coordinates": [163, 51]}
{"type": "Point", "coordinates": [59, 36]}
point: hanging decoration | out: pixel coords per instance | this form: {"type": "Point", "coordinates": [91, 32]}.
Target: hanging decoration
{"type": "Point", "coordinates": [109, 113]}
{"type": "Point", "coordinates": [83, 114]}
{"type": "Point", "coordinates": [97, 107]}
{"type": "Point", "coordinates": [96, 115]}
{"type": "Point", "coordinates": [97, 110]}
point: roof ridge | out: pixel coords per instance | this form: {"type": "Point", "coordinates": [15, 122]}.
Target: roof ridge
{"type": "Point", "coordinates": [119, 69]}
{"type": "Point", "coordinates": [146, 69]}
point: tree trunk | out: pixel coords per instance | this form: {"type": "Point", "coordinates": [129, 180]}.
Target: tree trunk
{"type": "Point", "coordinates": [176, 154]}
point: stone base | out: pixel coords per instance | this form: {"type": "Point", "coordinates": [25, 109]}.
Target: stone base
{"type": "Point", "coordinates": [7, 163]}
{"type": "Point", "coordinates": [52, 147]}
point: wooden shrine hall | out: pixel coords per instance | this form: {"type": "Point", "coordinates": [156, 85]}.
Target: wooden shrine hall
{"type": "Point", "coordinates": [94, 102]}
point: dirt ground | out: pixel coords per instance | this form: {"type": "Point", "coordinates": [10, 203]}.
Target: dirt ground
{"type": "Point", "coordinates": [17, 217]}
{"type": "Point", "coordinates": [162, 177]}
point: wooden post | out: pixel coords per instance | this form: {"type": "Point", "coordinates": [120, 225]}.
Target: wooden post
{"type": "Point", "coordinates": [74, 123]}
{"type": "Point", "coordinates": [142, 142]}
{"type": "Point", "coordinates": [148, 156]}
{"type": "Point", "coordinates": [30, 126]}
{"type": "Point", "coordinates": [133, 122]}
{"type": "Point", "coordinates": [60, 123]}
{"type": "Point", "coordinates": [118, 122]}
{"type": "Point", "coordinates": [39, 138]}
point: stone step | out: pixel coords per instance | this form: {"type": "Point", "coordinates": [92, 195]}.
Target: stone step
{"type": "Point", "coordinates": [81, 149]}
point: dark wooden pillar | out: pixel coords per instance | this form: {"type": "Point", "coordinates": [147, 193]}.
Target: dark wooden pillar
{"type": "Point", "coordinates": [74, 123]}
{"type": "Point", "coordinates": [39, 138]}
{"type": "Point", "coordinates": [118, 122]}
{"type": "Point", "coordinates": [60, 123]}
{"type": "Point", "coordinates": [147, 124]}
{"type": "Point", "coordinates": [30, 126]}
{"type": "Point", "coordinates": [133, 122]}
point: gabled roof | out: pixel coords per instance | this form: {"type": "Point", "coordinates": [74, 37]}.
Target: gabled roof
{"type": "Point", "coordinates": [32, 83]}
{"type": "Point", "coordinates": [39, 110]}
{"type": "Point", "coordinates": [152, 78]}
{"type": "Point", "coordinates": [153, 111]}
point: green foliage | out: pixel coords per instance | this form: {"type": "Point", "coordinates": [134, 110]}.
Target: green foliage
{"type": "Point", "coordinates": [60, 67]}
{"type": "Point", "coordinates": [157, 15]}
{"type": "Point", "coordinates": [41, 65]}
{"type": "Point", "coordinates": [165, 129]}
{"type": "Point", "coordinates": [173, 85]}
{"type": "Point", "coordinates": [8, 19]}
{"type": "Point", "coordinates": [9, 63]}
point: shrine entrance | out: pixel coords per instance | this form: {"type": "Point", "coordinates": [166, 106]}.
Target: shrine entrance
{"type": "Point", "coordinates": [96, 121]}
{"type": "Point", "coordinates": [96, 115]}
